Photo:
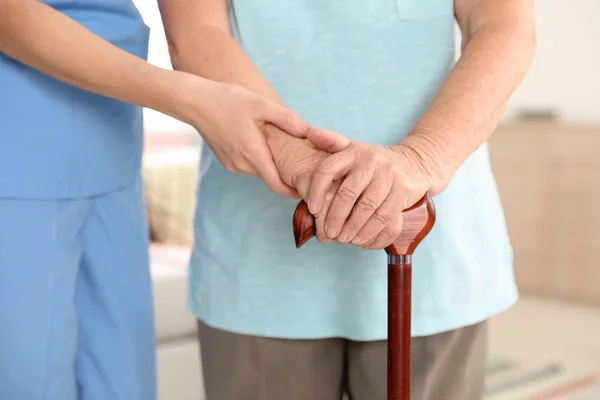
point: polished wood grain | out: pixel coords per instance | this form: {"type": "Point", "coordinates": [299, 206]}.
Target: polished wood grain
{"type": "Point", "coordinates": [399, 335]}
{"type": "Point", "coordinates": [418, 222]}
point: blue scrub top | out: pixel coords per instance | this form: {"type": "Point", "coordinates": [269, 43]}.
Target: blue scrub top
{"type": "Point", "coordinates": [367, 69]}
{"type": "Point", "coordinates": [57, 141]}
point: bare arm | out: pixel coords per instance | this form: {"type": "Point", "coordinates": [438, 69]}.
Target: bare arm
{"type": "Point", "coordinates": [498, 48]}
{"type": "Point", "coordinates": [49, 41]}
{"type": "Point", "coordinates": [200, 42]}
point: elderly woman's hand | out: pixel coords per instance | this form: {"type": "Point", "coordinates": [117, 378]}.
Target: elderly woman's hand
{"type": "Point", "coordinates": [297, 160]}
{"type": "Point", "coordinates": [374, 185]}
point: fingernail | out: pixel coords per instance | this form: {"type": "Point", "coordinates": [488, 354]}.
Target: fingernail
{"type": "Point", "coordinates": [343, 238]}
{"type": "Point", "coordinates": [311, 207]}
{"type": "Point", "coordinates": [331, 232]}
{"type": "Point", "coordinates": [357, 241]}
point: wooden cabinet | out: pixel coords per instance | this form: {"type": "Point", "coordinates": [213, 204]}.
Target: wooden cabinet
{"type": "Point", "coordinates": [549, 181]}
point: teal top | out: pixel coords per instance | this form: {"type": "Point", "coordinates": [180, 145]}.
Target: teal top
{"type": "Point", "coordinates": [57, 141]}
{"type": "Point", "coordinates": [367, 70]}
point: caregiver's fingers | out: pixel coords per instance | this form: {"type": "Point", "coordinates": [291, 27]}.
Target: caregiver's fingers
{"type": "Point", "coordinates": [282, 117]}
{"type": "Point", "coordinates": [329, 141]}
{"type": "Point", "coordinates": [329, 170]}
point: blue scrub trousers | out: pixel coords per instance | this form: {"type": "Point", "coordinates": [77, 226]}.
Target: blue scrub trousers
{"type": "Point", "coordinates": [76, 317]}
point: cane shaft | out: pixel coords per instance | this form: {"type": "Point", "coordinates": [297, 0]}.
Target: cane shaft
{"type": "Point", "coordinates": [399, 330]}
{"type": "Point", "coordinates": [418, 221]}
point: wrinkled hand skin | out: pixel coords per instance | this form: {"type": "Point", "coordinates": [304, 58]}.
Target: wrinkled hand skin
{"type": "Point", "coordinates": [295, 158]}
{"type": "Point", "coordinates": [361, 190]}
{"type": "Point", "coordinates": [379, 182]}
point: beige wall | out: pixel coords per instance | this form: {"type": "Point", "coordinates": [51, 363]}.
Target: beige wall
{"type": "Point", "coordinates": [549, 181]}
{"type": "Point", "coordinates": [566, 72]}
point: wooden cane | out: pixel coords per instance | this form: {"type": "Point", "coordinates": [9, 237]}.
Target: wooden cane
{"type": "Point", "coordinates": [418, 221]}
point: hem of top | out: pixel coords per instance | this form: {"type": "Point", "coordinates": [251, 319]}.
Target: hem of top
{"type": "Point", "coordinates": [431, 326]}
{"type": "Point", "coordinates": [33, 192]}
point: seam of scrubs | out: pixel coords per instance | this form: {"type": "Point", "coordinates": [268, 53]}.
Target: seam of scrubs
{"type": "Point", "coordinates": [51, 327]}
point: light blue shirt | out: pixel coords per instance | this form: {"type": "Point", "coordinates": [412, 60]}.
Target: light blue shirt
{"type": "Point", "coordinates": [57, 141]}
{"type": "Point", "coordinates": [368, 70]}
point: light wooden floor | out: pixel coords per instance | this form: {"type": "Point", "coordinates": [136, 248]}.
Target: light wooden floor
{"type": "Point", "coordinates": [546, 329]}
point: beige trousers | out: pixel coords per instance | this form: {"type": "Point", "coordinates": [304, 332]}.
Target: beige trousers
{"type": "Point", "coordinates": [446, 366]}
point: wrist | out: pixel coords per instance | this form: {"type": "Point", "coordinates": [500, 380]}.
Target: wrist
{"type": "Point", "coordinates": [429, 159]}
{"type": "Point", "coordinates": [182, 96]}
{"type": "Point", "coordinates": [295, 158]}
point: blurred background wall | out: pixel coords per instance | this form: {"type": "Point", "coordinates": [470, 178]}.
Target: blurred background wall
{"type": "Point", "coordinates": [564, 78]}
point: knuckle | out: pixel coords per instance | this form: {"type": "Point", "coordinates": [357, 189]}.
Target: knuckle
{"type": "Point", "coordinates": [381, 218]}
{"type": "Point", "coordinates": [237, 165]}
{"type": "Point", "coordinates": [392, 169]}
{"type": "Point", "coordinates": [347, 193]}
{"type": "Point", "coordinates": [366, 174]}
{"type": "Point", "coordinates": [366, 204]}
{"type": "Point", "coordinates": [326, 167]}
{"type": "Point", "coordinates": [229, 167]}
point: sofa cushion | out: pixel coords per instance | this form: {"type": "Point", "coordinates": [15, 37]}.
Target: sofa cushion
{"type": "Point", "coordinates": [170, 177]}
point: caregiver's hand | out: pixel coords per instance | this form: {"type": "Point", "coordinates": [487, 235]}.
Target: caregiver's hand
{"type": "Point", "coordinates": [239, 140]}
{"type": "Point", "coordinates": [379, 183]}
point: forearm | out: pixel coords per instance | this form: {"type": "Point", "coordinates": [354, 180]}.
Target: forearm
{"type": "Point", "coordinates": [41, 37]}
{"type": "Point", "coordinates": [470, 103]}
{"type": "Point", "coordinates": [212, 52]}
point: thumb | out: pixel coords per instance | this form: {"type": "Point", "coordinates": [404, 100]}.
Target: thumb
{"type": "Point", "coordinates": [285, 119]}
{"type": "Point", "coordinates": [329, 141]}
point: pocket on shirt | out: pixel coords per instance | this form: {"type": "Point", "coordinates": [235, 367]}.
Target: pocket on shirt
{"type": "Point", "coordinates": [424, 9]}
